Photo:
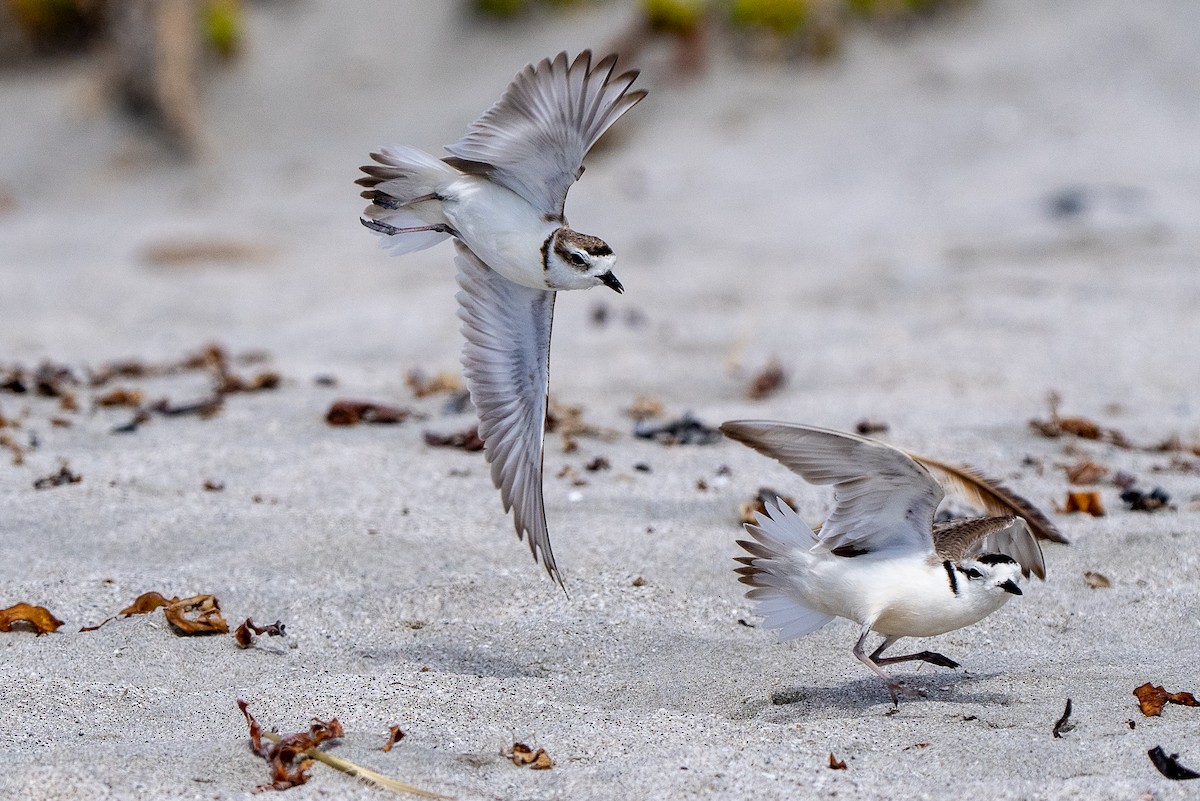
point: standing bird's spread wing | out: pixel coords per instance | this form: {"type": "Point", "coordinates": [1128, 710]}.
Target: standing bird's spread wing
{"type": "Point", "coordinates": [883, 499]}
{"type": "Point", "coordinates": [534, 138]}
{"type": "Point", "coordinates": [963, 539]}
{"type": "Point", "coordinates": [506, 362]}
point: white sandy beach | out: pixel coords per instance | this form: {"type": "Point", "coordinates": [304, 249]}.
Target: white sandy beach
{"type": "Point", "coordinates": [881, 225]}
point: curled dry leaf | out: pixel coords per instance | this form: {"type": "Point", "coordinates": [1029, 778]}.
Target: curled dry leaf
{"type": "Point", "coordinates": [1152, 699]}
{"type": "Point", "coordinates": [522, 755]}
{"type": "Point", "coordinates": [245, 632]}
{"type": "Point", "coordinates": [39, 619]}
{"type": "Point", "coordinates": [1097, 581]}
{"type": "Point", "coordinates": [467, 439]}
{"type": "Point", "coordinates": [1085, 472]}
{"type": "Point", "coordinates": [772, 379]}
{"type": "Point", "coordinates": [121, 396]}
{"type": "Point", "coordinates": [394, 736]}
{"type": "Point", "coordinates": [352, 412]}
{"type": "Point", "coordinates": [198, 615]}
{"type": "Point", "coordinates": [644, 408]}
{"type": "Point", "coordinates": [765, 495]}
{"type": "Point", "coordinates": [286, 759]}
{"type": "Point", "coordinates": [567, 419]}
{"type": "Point", "coordinates": [1087, 502]}
{"type": "Point", "coordinates": [144, 603]}
{"type": "Point", "coordinates": [62, 477]}
{"type": "Point", "coordinates": [835, 763]}
{"type": "Point", "coordinates": [1063, 724]}
{"type": "Point", "coordinates": [423, 385]}
{"type": "Point", "coordinates": [1169, 766]}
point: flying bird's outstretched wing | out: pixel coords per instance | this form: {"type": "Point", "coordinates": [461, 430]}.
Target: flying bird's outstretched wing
{"type": "Point", "coordinates": [883, 499]}
{"type": "Point", "coordinates": [507, 367]}
{"type": "Point", "coordinates": [534, 138]}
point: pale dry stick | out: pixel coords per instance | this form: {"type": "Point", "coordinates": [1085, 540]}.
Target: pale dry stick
{"type": "Point", "coordinates": [359, 772]}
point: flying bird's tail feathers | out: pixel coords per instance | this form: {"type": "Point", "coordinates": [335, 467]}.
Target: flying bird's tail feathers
{"type": "Point", "coordinates": [401, 185]}
{"type": "Point", "coordinates": [778, 534]}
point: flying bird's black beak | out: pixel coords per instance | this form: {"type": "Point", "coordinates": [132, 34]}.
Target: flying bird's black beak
{"type": "Point", "coordinates": [610, 281]}
{"type": "Point", "coordinates": [1011, 586]}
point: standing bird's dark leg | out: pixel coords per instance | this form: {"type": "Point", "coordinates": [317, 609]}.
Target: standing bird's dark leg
{"type": "Point", "coordinates": [932, 657]}
{"type": "Point", "coordinates": [894, 687]}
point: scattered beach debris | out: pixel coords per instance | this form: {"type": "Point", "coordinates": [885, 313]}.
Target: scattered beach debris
{"type": "Point", "coordinates": [597, 464]}
{"type": "Point", "coordinates": [1169, 766]}
{"type": "Point", "coordinates": [643, 408]}
{"type": "Point", "coordinates": [467, 439]}
{"type": "Point", "coordinates": [1155, 500]}
{"type": "Point", "coordinates": [643, 467]}
{"type": "Point", "coordinates": [638, 581]}
{"type": "Point", "coordinates": [63, 477]}
{"type": "Point", "coordinates": [1063, 724]}
{"type": "Point", "coordinates": [289, 757]}
{"type": "Point", "coordinates": [770, 380]}
{"type": "Point", "coordinates": [765, 495]}
{"type": "Point", "coordinates": [121, 396]}
{"type": "Point", "coordinates": [1097, 581]}
{"type": "Point", "coordinates": [38, 619]}
{"type": "Point", "coordinates": [687, 430]}
{"type": "Point", "coordinates": [1056, 426]}
{"type": "Point", "coordinates": [245, 632]}
{"type": "Point", "coordinates": [198, 615]}
{"type": "Point", "coordinates": [17, 451]}
{"type": "Point", "coordinates": [394, 736]}
{"type": "Point", "coordinates": [352, 412]}
{"type": "Point", "coordinates": [1088, 502]}
{"type": "Point", "coordinates": [423, 385]}
{"type": "Point", "coordinates": [210, 485]}
{"type": "Point", "coordinates": [867, 426]}
{"type": "Point", "coordinates": [522, 755]}
{"type": "Point", "coordinates": [1085, 472]}
{"type": "Point", "coordinates": [567, 419]}
{"type": "Point", "coordinates": [1152, 699]}
{"type": "Point", "coordinates": [835, 763]}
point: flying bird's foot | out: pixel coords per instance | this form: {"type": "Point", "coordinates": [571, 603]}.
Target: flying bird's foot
{"type": "Point", "coordinates": [391, 230]}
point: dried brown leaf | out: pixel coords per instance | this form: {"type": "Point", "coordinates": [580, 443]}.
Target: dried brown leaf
{"type": "Point", "coordinates": [121, 396]}
{"type": "Point", "coordinates": [62, 477]}
{"type": "Point", "coordinates": [835, 763]}
{"type": "Point", "coordinates": [352, 412]}
{"type": "Point", "coordinates": [147, 602]}
{"type": "Point", "coordinates": [286, 758]}
{"type": "Point", "coordinates": [23, 615]}
{"type": "Point", "coordinates": [1085, 472]}
{"type": "Point", "coordinates": [644, 408]}
{"type": "Point", "coordinates": [245, 632]}
{"type": "Point", "coordinates": [394, 736]}
{"type": "Point", "coordinates": [1097, 581]}
{"type": "Point", "coordinates": [467, 439]}
{"type": "Point", "coordinates": [198, 615]}
{"type": "Point", "coordinates": [1152, 699]}
{"type": "Point", "coordinates": [423, 385]}
{"type": "Point", "coordinates": [522, 755]}
{"type": "Point", "coordinates": [772, 379]}
{"type": "Point", "coordinates": [1087, 502]}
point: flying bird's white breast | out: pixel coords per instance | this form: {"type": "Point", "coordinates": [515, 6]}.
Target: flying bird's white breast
{"type": "Point", "coordinates": [500, 227]}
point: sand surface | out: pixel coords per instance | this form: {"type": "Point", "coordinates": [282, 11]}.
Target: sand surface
{"type": "Point", "coordinates": [883, 226]}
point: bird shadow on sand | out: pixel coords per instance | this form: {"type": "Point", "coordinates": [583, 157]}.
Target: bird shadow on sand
{"type": "Point", "coordinates": [460, 660]}
{"type": "Point", "coordinates": [861, 695]}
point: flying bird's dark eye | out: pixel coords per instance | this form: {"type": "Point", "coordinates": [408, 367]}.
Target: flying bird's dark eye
{"type": "Point", "coordinates": [973, 573]}
{"type": "Point", "coordinates": [578, 260]}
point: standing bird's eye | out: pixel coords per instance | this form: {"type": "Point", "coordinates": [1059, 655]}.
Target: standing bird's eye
{"type": "Point", "coordinates": [578, 260]}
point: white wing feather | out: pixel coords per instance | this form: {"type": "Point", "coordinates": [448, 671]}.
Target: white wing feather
{"type": "Point", "coordinates": [534, 138]}
{"type": "Point", "coordinates": [506, 362]}
{"type": "Point", "coordinates": [883, 499]}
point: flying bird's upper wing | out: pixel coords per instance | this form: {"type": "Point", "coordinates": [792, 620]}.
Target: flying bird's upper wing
{"type": "Point", "coordinates": [1010, 535]}
{"type": "Point", "coordinates": [883, 499]}
{"type": "Point", "coordinates": [534, 138]}
{"type": "Point", "coordinates": [507, 367]}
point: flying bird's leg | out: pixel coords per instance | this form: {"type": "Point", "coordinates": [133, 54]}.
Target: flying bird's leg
{"type": "Point", "coordinates": [391, 230]}
{"type": "Point", "coordinates": [932, 657]}
{"type": "Point", "coordinates": [894, 687]}
{"type": "Point", "coordinates": [388, 202]}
